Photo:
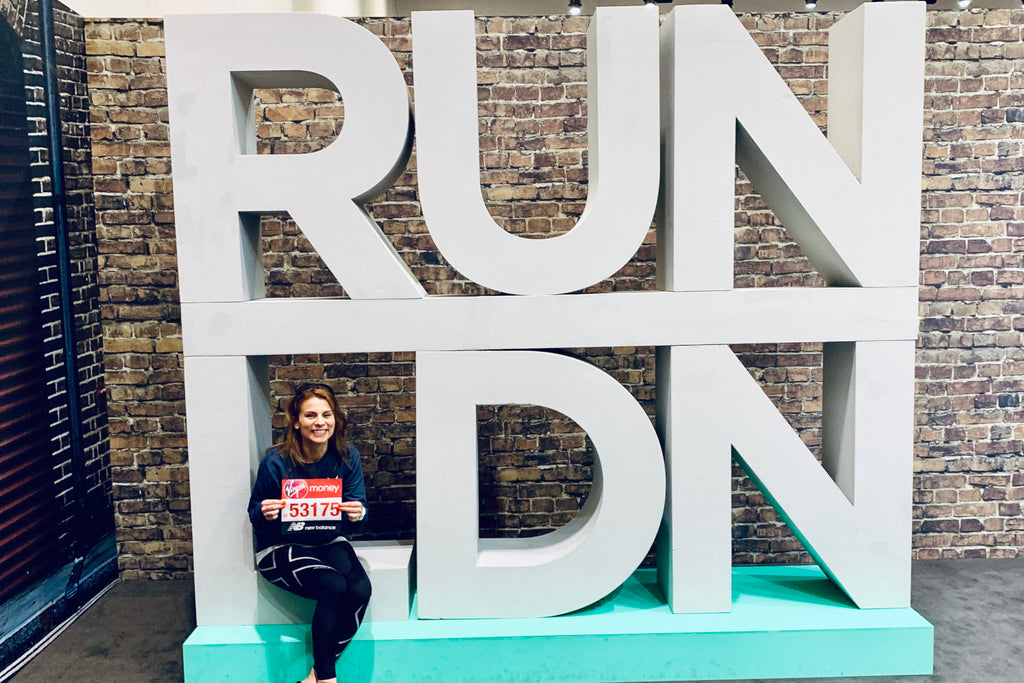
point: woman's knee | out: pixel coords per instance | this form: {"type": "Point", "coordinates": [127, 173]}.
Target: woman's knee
{"type": "Point", "coordinates": [327, 585]}
{"type": "Point", "coordinates": [360, 591]}
{"type": "Point", "coordinates": [332, 586]}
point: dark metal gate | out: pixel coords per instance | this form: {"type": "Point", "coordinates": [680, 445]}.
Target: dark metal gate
{"type": "Point", "coordinates": [27, 520]}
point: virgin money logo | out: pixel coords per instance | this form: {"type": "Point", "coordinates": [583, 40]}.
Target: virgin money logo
{"type": "Point", "coordinates": [295, 488]}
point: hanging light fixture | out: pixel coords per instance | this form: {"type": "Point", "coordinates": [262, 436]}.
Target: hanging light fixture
{"type": "Point", "coordinates": [963, 4]}
{"type": "Point", "coordinates": [810, 4]}
{"type": "Point", "coordinates": [575, 8]}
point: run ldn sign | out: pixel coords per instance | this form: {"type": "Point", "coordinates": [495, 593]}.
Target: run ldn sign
{"type": "Point", "coordinates": [699, 88]}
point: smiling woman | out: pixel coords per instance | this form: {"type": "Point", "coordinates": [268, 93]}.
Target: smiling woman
{"type": "Point", "coordinates": [308, 491]}
{"type": "Point", "coordinates": [315, 424]}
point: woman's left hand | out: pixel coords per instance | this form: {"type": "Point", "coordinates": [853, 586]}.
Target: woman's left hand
{"type": "Point", "coordinates": [354, 509]}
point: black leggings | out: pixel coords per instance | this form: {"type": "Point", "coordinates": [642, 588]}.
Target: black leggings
{"type": "Point", "coordinates": [331, 575]}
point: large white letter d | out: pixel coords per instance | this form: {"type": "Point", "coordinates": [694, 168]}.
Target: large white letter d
{"type": "Point", "coordinates": [461, 575]}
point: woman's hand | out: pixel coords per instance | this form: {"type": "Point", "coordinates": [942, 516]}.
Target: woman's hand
{"type": "Point", "coordinates": [271, 508]}
{"type": "Point", "coordinates": [354, 509]}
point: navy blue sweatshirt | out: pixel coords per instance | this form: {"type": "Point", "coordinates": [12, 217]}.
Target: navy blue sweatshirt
{"type": "Point", "coordinates": [274, 468]}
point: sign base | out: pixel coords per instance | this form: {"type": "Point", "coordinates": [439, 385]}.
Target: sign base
{"type": "Point", "coordinates": [786, 622]}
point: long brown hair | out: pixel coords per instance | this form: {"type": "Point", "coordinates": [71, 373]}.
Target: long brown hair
{"type": "Point", "coordinates": [291, 448]}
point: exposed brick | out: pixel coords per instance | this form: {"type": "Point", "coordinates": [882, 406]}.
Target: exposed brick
{"type": "Point", "coordinates": [533, 112]}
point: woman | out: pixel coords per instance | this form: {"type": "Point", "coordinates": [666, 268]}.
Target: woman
{"type": "Point", "coordinates": [315, 564]}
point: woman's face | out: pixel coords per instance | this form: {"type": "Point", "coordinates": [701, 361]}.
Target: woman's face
{"type": "Point", "coordinates": [315, 422]}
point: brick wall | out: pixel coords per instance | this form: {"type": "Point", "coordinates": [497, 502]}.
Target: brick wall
{"type": "Point", "coordinates": [970, 373]}
{"type": "Point", "coordinates": [535, 463]}
{"type": "Point", "coordinates": [14, 12]}
{"type": "Point", "coordinates": [80, 213]}
{"type": "Point", "coordinates": [138, 299]}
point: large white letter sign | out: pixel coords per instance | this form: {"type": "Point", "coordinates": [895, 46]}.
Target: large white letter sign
{"type": "Point", "coordinates": [622, 86]}
{"type": "Point", "coordinates": [856, 523]}
{"type": "Point", "coordinates": [214, 62]}
{"type": "Point", "coordinates": [852, 208]}
{"type": "Point", "coordinates": [461, 575]}
{"type": "Point", "coordinates": [222, 454]}
{"type": "Point", "coordinates": [839, 203]}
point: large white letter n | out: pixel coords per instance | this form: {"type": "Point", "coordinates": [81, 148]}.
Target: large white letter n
{"type": "Point", "coordinates": [463, 576]}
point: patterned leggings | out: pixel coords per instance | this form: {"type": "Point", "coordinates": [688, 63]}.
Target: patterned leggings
{"type": "Point", "coordinates": [331, 575]}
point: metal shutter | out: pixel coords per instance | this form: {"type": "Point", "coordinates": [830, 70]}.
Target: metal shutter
{"type": "Point", "coordinates": [27, 520]}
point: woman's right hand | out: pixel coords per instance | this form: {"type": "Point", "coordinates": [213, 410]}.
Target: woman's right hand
{"type": "Point", "coordinates": [271, 508]}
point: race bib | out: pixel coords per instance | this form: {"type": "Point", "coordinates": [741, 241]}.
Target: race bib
{"type": "Point", "coordinates": [311, 505]}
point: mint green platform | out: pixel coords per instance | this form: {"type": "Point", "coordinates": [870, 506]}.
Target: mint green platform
{"type": "Point", "coordinates": [787, 622]}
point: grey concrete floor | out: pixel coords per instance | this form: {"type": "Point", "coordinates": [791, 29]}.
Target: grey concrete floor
{"type": "Point", "coordinates": [134, 633]}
